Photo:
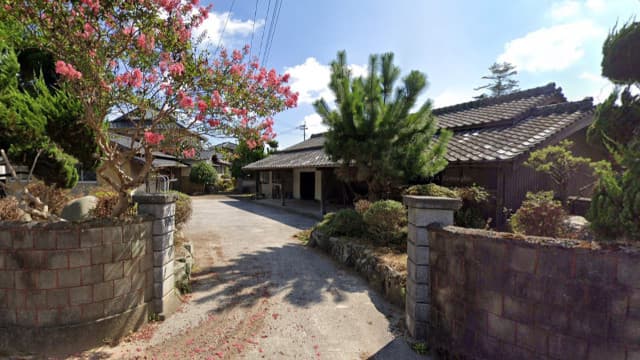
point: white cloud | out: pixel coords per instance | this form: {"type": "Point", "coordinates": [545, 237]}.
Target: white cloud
{"type": "Point", "coordinates": [565, 9]}
{"type": "Point", "coordinates": [598, 87]}
{"type": "Point", "coordinates": [595, 5]}
{"type": "Point", "coordinates": [311, 80]}
{"type": "Point", "coordinates": [314, 124]}
{"type": "Point", "coordinates": [452, 97]}
{"type": "Point", "coordinates": [552, 48]}
{"type": "Point", "coordinates": [235, 28]}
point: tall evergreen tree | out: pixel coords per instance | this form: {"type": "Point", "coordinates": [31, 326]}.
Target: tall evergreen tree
{"type": "Point", "coordinates": [372, 131]}
{"type": "Point", "coordinates": [502, 82]}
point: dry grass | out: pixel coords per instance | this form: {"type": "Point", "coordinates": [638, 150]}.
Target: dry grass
{"type": "Point", "coordinates": [9, 210]}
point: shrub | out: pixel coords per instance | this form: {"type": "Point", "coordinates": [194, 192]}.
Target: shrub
{"type": "Point", "coordinates": [203, 173]}
{"type": "Point", "coordinates": [183, 209]}
{"type": "Point", "coordinates": [385, 221]}
{"type": "Point", "coordinates": [539, 215]}
{"type": "Point", "coordinates": [9, 210]}
{"type": "Point", "coordinates": [470, 214]}
{"type": "Point", "coordinates": [55, 198]}
{"type": "Point", "coordinates": [362, 206]}
{"type": "Point", "coordinates": [430, 190]}
{"type": "Point", "coordinates": [107, 200]}
{"type": "Point", "coordinates": [345, 222]}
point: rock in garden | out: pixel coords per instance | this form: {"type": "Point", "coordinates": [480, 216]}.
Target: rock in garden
{"type": "Point", "coordinates": [79, 209]}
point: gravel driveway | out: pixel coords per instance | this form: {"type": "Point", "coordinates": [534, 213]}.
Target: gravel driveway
{"type": "Point", "coordinates": [258, 293]}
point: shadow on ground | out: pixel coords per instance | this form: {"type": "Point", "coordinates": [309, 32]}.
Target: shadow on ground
{"type": "Point", "coordinates": [299, 221]}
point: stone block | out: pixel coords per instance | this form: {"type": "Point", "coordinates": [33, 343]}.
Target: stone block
{"type": "Point", "coordinates": [490, 253]}
{"type": "Point", "coordinates": [418, 254]}
{"type": "Point", "coordinates": [609, 351]}
{"type": "Point", "coordinates": [418, 311]}
{"type": "Point", "coordinates": [629, 271]}
{"type": "Point", "coordinates": [163, 287]}
{"type": "Point", "coordinates": [488, 347]}
{"type": "Point", "coordinates": [518, 309]}
{"type": "Point", "coordinates": [57, 298]}
{"type": "Point", "coordinates": [7, 316]}
{"type": "Point", "coordinates": [68, 239]}
{"type": "Point", "coordinates": [90, 237]}
{"type": "Point", "coordinates": [133, 299]}
{"type": "Point", "coordinates": [161, 242]}
{"type": "Point", "coordinates": [566, 347]}
{"type": "Point", "coordinates": [146, 262]}
{"type": "Point", "coordinates": [92, 311]}
{"type": "Point", "coordinates": [113, 271]}
{"type": "Point", "coordinates": [30, 259]}
{"type": "Point", "coordinates": [148, 286]}
{"type": "Point", "coordinates": [80, 257]}
{"type": "Point", "coordinates": [555, 262]}
{"type": "Point", "coordinates": [101, 254]}
{"type": "Point", "coordinates": [489, 301]}
{"type": "Point", "coordinates": [23, 279]}
{"type": "Point", "coordinates": [70, 277]}
{"type": "Point", "coordinates": [595, 267]}
{"type": "Point", "coordinates": [23, 239]}
{"type": "Point", "coordinates": [162, 257]}
{"type": "Point", "coordinates": [501, 328]}
{"type": "Point", "coordinates": [114, 306]}
{"type": "Point", "coordinates": [163, 226]}
{"type": "Point", "coordinates": [131, 267]}
{"type": "Point", "coordinates": [418, 235]}
{"type": "Point", "coordinates": [45, 239]}
{"type": "Point", "coordinates": [531, 338]}
{"type": "Point", "coordinates": [138, 248]}
{"type": "Point", "coordinates": [15, 299]}
{"type": "Point", "coordinates": [548, 316]}
{"type": "Point", "coordinates": [7, 279]}
{"type": "Point", "coordinates": [565, 293]}
{"type": "Point", "coordinates": [419, 273]}
{"type": "Point", "coordinates": [47, 279]}
{"type": "Point", "coordinates": [92, 274]}
{"type": "Point", "coordinates": [590, 325]}
{"type": "Point", "coordinates": [6, 239]}
{"type": "Point", "coordinates": [418, 292]}
{"type": "Point", "coordinates": [27, 318]}
{"type": "Point", "coordinates": [424, 217]}
{"type": "Point", "coordinates": [162, 272]}
{"type": "Point", "coordinates": [80, 295]}
{"type": "Point", "coordinates": [418, 330]}
{"type": "Point", "coordinates": [35, 299]}
{"type": "Point", "coordinates": [157, 210]}
{"type": "Point", "coordinates": [522, 259]}
{"type": "Point", "coordinates": [57, 260]}
{"type": "Point", "coordinates": [526, 286]}
{"type": "Point", "coordinates": [102, 291]}
{"type": "Point", "coordinates": [113, 234]}
{"type": "Point", "coordinates": [121, 251]}
{"type": "Point", "coordinates": [121, 286]}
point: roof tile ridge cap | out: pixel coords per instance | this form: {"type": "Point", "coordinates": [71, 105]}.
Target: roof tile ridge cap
{"type": "Point", "coordinates": [564, 107]}
{"type": "Point", "coordinates": [540, 90]}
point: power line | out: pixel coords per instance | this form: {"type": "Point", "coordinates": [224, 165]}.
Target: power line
{"type": "Point", "coordinates": [270, 30]}
{"type": "Point", "coordinates": [224, 27]}
{"type": "Point", "coordinates": [273, 32]}
{"type": "Point", "coordinates": [253, 27]}
{"type": "Point", "coordinates": [264, 28]}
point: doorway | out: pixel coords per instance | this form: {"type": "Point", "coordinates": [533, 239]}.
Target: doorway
{"type": "Point", "coordinates": [307, 185]}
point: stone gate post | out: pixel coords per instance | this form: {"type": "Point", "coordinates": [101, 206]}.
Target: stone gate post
{"type": "Point", "coordinates": [423, 211]}
{"type": "Point", "coordinates": [162, 206]}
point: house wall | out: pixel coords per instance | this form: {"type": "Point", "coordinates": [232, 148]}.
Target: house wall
{"type": "Point", "coordinates": [296, 182]}
{"type": "Point", "coordinates": [266, 187]}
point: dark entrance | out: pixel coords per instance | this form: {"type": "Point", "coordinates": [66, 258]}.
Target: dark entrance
{"type": "Point", "coordinates": [307, 185]}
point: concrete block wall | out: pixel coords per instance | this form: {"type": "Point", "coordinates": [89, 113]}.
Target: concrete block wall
{"type": "Point", "coordinates": [71, 275]}
{"type": "Point", "coordinates": [495, 295]}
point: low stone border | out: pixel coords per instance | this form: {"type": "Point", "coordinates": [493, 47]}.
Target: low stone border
{"type": "Point", "coordinates": [384, 279]}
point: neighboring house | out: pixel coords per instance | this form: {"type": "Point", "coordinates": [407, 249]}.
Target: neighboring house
{"type": "Point", "coordinates": [492, 138]}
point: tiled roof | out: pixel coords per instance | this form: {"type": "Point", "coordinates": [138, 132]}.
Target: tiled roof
{"type": "Point", "coordinates": [494, 129]}
{"type": "Point", "coordinates": [495, 110]}
{"type": "Point", "coordinates": [505, 143]}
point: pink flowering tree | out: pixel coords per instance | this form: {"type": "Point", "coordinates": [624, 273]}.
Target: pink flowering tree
{"type": "Point", "coordinates": [140, 54]}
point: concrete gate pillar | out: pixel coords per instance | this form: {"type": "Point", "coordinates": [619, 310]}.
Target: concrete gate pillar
{"type": "Point", "coordinates": [423, 211]}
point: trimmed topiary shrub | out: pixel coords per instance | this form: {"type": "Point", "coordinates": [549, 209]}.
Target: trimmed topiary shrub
{"type": "Point", "coordinates": [430, 190]}
{"type": "Point", "coordinates": [385, 221]}
{"type": "Point", "coordinates": [347, 222]}
{"type": "Point", "coordinates": [539, 215]}
{"type": "Point", "coordinates": [183, 209]}
{"type": "Point", "coordinates": [203, 173]}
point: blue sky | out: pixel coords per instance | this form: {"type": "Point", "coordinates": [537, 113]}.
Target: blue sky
{"type": "Point", "coordinates": [453, 42]}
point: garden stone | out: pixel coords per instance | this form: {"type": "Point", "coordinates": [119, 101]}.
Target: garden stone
{"type": "Point", "coordinates": [79, 209]}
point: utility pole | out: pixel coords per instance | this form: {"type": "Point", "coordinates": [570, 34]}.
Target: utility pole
{"type": "Point", "coordinates": [304, 129]}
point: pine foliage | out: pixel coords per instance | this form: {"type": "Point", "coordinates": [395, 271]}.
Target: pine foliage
{"type": "Point", "coordinates": [373, 132]}
{"type": "Point", "coordinates": [502, 82]}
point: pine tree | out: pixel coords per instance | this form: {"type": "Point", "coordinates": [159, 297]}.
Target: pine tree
{"type": "Point", "coordinates": [501, 83]}
{"type": "Point", "coordinates": [373, 133]}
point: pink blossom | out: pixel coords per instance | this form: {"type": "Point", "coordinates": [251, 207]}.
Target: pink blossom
{"type": "Point", "coordinates": [237, 55]}
{"type": "Point", "coordinates": [67, 70]}
{"type": "Point", "coordinates": [176, 69]}
{"type": "Point", "coordinates": [202, 105]}
{"type": "Point", "coordinates": [189, 153]}
{"type": "Point", "coordinates": [214, 122]}
{"type": "Point", "coordinates": [251, 144]}
{"type": "Point", "coordinates": [153, 138]}
{"type": "Point", "coordinates": [185, 100]}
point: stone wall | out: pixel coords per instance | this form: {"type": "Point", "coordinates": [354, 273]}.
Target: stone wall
{"type": "Point", "coordinates": [495, 295]}
{"type": "Point", "coordinates": [69, 284]}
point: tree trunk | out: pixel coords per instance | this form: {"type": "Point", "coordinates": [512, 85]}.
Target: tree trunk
{"type": "Point", "coordinates": [122, 205]}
